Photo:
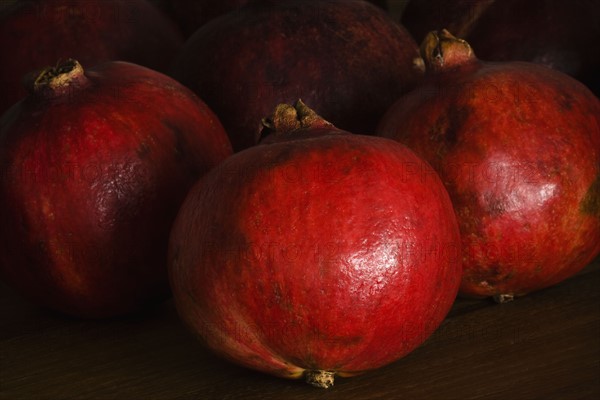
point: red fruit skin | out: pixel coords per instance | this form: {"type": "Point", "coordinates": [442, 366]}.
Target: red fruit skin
{"type": "Point", "coordinates": [518, 148]}
{"type": "Point", "coordinates": [348, 59]}
{"type": "Point", "coordinates": [37, 33]}
{"type": "Point", "coordinates": [336, 252]}
{"type": "Point", "coordinates": [91, 183]}
{"type": "Point", "coordinates": [559, 34]}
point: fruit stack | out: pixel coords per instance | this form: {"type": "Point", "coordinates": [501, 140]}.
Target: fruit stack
{"type": "Point", "coordinates": [311, 187]}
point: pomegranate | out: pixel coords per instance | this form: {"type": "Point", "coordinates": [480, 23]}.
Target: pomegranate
{"type": "Point", "coordinates": [192, 14]}
{"type": "Point", "coordinates": [518, 147]}
{"type": "Point", "coordinates": [37, 33]}
{"type": "Point", "coordinates": [559, 34]}
{"type": "Point", "coordinates": [319, 253]}
{"type": "Point", "coordinates": [95, 165]}
{"type": "Point", "coordinates": [346, 58]}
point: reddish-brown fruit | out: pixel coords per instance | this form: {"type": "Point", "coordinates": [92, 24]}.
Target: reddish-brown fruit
{"type": "Point", "coordinates": [563, 35]}
{"type": "Point", "coordinates": [346, 58]}
{"type": "Point", "coordinates": [320, 253]}
{"type": "Point", "coordinates": [95, 165]}
{"type": "Point", "coordinates": [518, 147]}
{"type": "Point", "coordinates": [37, 33]}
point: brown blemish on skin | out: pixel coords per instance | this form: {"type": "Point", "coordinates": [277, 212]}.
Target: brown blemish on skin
{"type": "Point", "coordinates": [436, 132]}
{"type": "Point", "coordinates": [180, 144]}
{"type": "Point", "coordinates": [143, 150]}
{"type": "Point", "coordinates": [590, 204]}
{"type": "Point", "coordinates": [492, 276]}
{"type": "Point", "coordinates": [493, 205]}
{"type": "Point", "coordinates": [446, 129]}
{"type": "Point", "coordinates": [565, 101]}
{"type": "Point", "coordinates": [456, 118]}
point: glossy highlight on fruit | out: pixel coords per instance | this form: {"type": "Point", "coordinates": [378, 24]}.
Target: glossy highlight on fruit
{"type": "Point", "coordinates": [95, 165]}
{"type": "Point", "coordinates": [316, 254]}
{"type": "Point", "coordinates": [518, 148]}
{"type": "Point", "coordinates": [348, 59]}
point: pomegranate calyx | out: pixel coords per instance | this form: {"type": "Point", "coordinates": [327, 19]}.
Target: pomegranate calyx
{"type": "Point", "coordinates": [443, 51]}
{"type": "Point", "coordinates": [503, 298]}
{"type": "Point", "coordinates": [58, 80]}
{"type": "Point", "coordinates": [288, 118]}
{"type": "Point", "coordinates": [320, 378]}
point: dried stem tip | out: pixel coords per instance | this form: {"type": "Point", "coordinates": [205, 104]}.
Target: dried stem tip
{"type": "Point", "coordinates": [288, 118]}
{"type": "Point", "coordinates": [59, 79]}
{"type": "Point", "coordinates": [442, 51]}
{"type": "Point", "coordinates": [503, 298]}
{"type": "Point", "coordinates": [319, 378]}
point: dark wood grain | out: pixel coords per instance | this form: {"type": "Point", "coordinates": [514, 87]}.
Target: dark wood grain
{"type": "Point", "coordinates": [543, 346]}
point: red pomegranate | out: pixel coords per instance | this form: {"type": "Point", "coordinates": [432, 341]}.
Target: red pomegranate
{"type": "Point", "coordinates": [95, 165]}
{"type": "Point", "coordinates": [37, 33]}
{"type": "Point", "coordinates": [518, 147]}
{"type": "Point", "coordinates": [192, 14]}
{"type": "Point", "coordinates": [319, 253]}
{"type": "Point", "coordinates": [347, 58]}
{"type": "Point", "coordinates": [559, 34]}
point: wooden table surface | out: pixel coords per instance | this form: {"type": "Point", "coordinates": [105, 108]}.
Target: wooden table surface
{"type": "Point", "coordinates": [543, 346]}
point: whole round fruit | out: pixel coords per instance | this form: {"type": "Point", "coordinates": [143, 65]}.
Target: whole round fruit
{"type": "Point", "coordinates": [518, 147]}
{"type": "Point", "coordinates": [95, 165]}
{"type": "Point", "coordinates": [37, 33]}
{"type": "Point", "coordinates": [346, 58]}
{"type": "Point", "coordinates": [319, 253]}
{"type": "Point", "coordinates": [559, 34]}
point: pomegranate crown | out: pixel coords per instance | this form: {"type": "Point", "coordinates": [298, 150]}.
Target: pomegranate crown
{"type": "Point", "coordinates": [442, 51]}
{"type": "Point", "coordinates": [57, 80]}
{"type": "Point", "coordinates": [289, 118]}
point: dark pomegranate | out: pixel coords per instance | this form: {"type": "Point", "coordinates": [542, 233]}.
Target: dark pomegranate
{"type": "Point", "coordinates": [37, 33]}
{"type": "Point", "coordinates": [346, 58]}
{"type": "Point", "coordinates": [559, 34]}
{"type": "Point", "coordinates": [192, 14]}
{"type": "Point", "coordinates": [94, 168]}
{"type": "Point", "coordinates": [518, 147]}
{"type": "Point", "coordinates": [319, 253]}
